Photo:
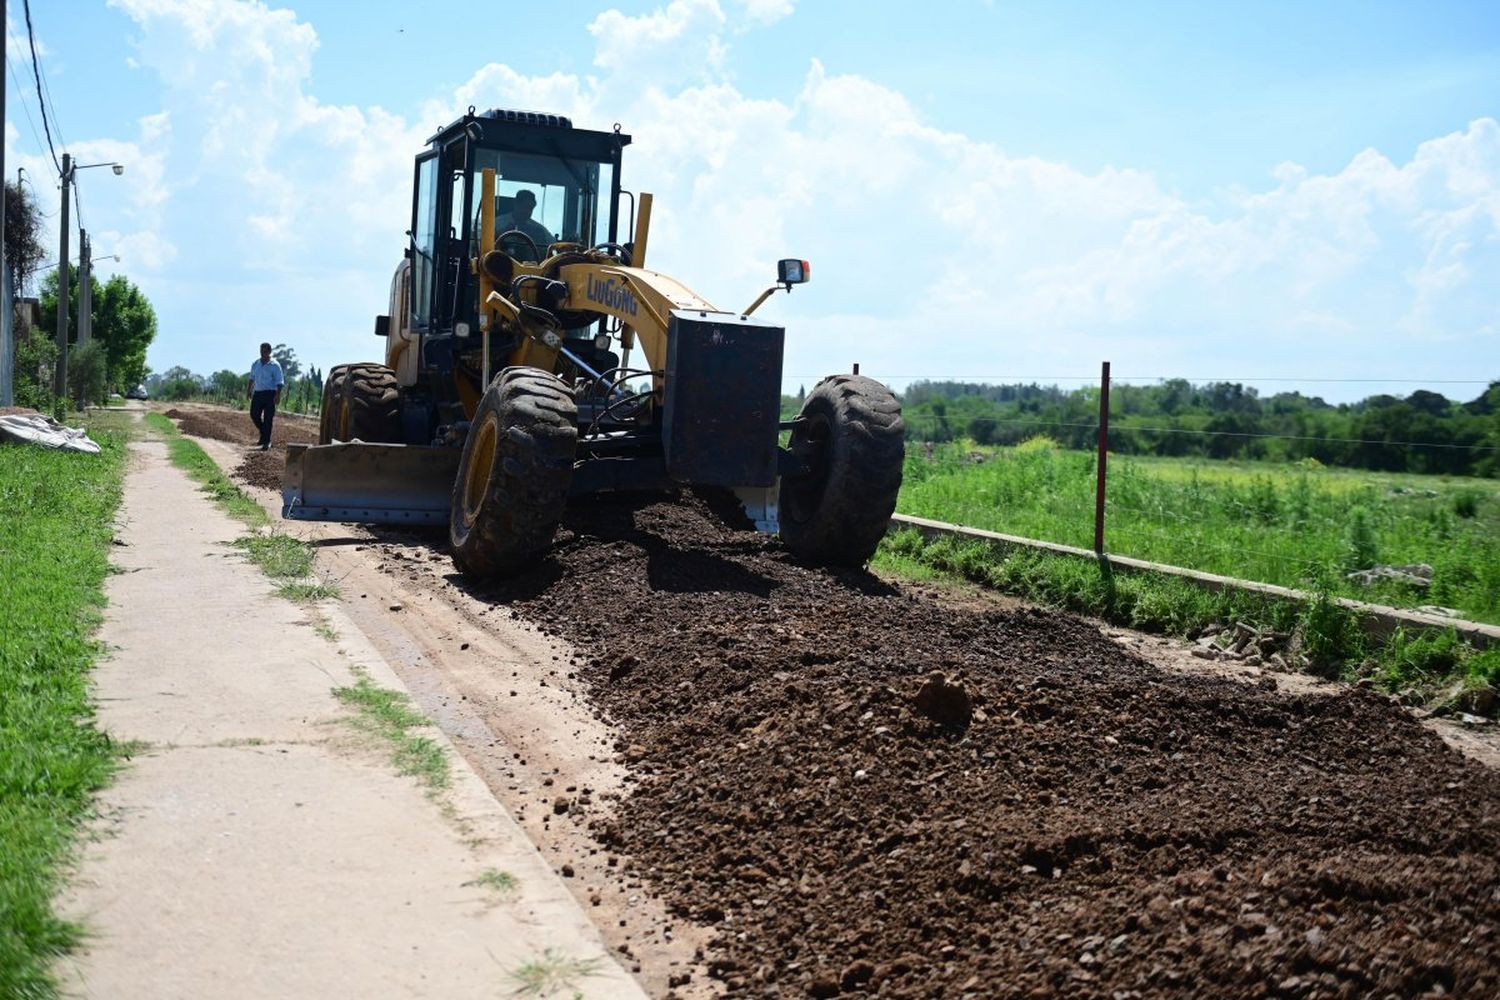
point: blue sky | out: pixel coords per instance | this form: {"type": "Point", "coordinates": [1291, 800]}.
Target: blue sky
{"type": "Point", "coordinates": [1289, 191]}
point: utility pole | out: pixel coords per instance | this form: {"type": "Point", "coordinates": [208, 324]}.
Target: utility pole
{"type": "Point", "coordinates": [60, 377]}
{"type": "Point", "coordinates": [7, 310]}
{"type": "Point", "coordinates": [85, 289]}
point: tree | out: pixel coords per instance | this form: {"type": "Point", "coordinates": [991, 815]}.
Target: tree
{"type": "Point", "coordinates": [287, 358]}
{"type": "Point", "coordinates": [122, 320]}
{"type": "Point", "coordinates": [228, 385]}
{"type": "Point", "coordinates": [125, 323]}
{"type": "Point", "coordinates": [178, 383]}
{"type": "Point", "coordinates": [47, 298]}
{"type": "Point", "coordinates": [24, 251]}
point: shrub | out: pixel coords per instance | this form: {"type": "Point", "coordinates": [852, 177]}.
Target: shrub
{"type": "Point", "coordinates": [1361, 549]}
{"type": "Point", "coordinates": [1484, 667]}
{"type": "Point", "coordinates": [87, 373]}
{"type": "Point", "coordinates": [1331, 635]}
{"type": "Point", "coordinates": [1263, 500]}
{"type": "Point", "coordinates": [1412, 659]}
{"type": "Point", "coordinates": [1038, 442]}
{"type": "Point", "coordinates": [1466, 503]}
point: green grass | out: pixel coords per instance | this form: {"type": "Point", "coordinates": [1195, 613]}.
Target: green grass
{"type": "Point", "coordinates": [504, 883]}
{"type": "Point", "coordinates": [551, 972]}
{"type": "Point", "coordinates": [57, 509]}
{"type": "Point", "coordinates": [1152, 602]}
{"type": "Point", "coordinates": [192, 459]}
{"type": "Point", "coordinates": [1298, 525]}
{"type": "Point", "coordinates": [388, 715]}
{"type": "Point", "coordinates": [279, 556]}
{"type": "Point", "coordinates": [307, 593]}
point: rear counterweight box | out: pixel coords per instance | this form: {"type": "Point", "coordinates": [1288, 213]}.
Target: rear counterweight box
{"type": "Point", "coordinates": [723, 399]}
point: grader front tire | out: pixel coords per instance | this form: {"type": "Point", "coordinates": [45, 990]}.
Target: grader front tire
{"type": "Point", "coordinates": [514, 475]}
{"type": "Point", "coordinates": [852, 441]}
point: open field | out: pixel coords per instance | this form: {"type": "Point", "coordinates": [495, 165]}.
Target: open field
{"type": "Point", "coordinates": [58, 509]}
{"type": "Point", "coordinates": [1297, 525]}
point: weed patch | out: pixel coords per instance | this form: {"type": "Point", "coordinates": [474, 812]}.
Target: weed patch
{"type": "Point", "coordinates": [307, 593]}
{"type": "Point", "coordinates": [58, 510]}
{"type": "Point", "coordinates": [504, 883]}
{"type": "Point", "coordinates": [552, 971]}
{"type": "Point", "coordinates": [278, 556]}
{"type": "Point", "coordinates": [388, 715]}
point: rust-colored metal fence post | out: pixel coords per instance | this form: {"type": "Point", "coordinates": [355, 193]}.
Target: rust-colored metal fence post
{"type": "Point", "coordinates": [1103, 459]}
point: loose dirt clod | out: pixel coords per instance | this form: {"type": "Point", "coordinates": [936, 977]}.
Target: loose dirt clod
{"type": "Point", "coordinates": [944, 701]}
{"type": "Point", "coordinates": [1100, 827]}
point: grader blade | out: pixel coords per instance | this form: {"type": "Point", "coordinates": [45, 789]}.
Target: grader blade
{"type": "Point", "coordinates": [368, 483]}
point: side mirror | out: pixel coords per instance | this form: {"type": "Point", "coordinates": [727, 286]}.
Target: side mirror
{"type": "Point", "coordinates": [382, 326]}
{"type": "Point", "coordinates": [792, 272]}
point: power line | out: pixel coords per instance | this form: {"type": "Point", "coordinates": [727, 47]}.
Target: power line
{"type": "Point", "coordinates": [36, 72]}
{"type": "Point", "coordinates": [19, 90]}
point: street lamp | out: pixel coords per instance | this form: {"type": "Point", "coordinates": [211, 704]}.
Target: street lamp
{"type": "Point", "coordinates": [60, 376]}
{"type": "Point", "coordinates": [105, 256]}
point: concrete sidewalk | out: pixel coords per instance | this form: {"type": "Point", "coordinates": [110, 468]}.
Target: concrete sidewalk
{"type": "Point", "coordinates": [260, 847]}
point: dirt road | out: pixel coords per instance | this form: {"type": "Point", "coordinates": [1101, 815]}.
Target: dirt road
{"type": "Point", "coordinates": [1052, 816]}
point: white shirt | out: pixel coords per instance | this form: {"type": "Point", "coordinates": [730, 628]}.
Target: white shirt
{"type": "Point", "coordinates": [265, 375]}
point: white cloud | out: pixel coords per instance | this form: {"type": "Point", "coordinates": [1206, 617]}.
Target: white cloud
{"type": "Point", "coordinates": [675, 43]}
{"type": "Point", "coordinates": [930, 248]}
{"type": "Point", "coordinates": [767, 11]}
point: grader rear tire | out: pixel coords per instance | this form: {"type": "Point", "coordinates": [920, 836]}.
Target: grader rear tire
{"type": "Point", "coordinates": [333, 391]}
{"type": "Point", "coordinates": [360, 402]}
{"type": "Point", "coordinates": [853, 442]}
{"type": "Point", "coordinates": [514, 475]}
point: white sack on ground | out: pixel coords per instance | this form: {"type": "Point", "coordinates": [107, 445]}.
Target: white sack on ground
{"type": "Point", "coordinates": [26, 428]}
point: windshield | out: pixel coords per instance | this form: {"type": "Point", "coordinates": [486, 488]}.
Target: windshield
{"type": "Point", "coordinates": [547, 198]}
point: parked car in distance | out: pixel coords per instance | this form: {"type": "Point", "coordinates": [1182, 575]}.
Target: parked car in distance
{"type": "Point", "coordinates": [139, 392]}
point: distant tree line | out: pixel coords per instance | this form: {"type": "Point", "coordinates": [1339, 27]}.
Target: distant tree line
{"type": "Point", "coordinates": [303, 392]}
{"type": "Point", "coordinates": [1223, 420]}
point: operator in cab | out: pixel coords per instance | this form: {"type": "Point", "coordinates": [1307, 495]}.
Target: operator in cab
{"type": "Point", "coordinates": [520, 220]}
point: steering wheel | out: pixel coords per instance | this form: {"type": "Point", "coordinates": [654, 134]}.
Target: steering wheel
{"type": "Point", "coordinates": [615, 250]}
{"type": "Point", "coordinates": [536, 251]}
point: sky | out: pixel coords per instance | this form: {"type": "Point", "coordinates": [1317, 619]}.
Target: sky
{"type": "Point", "coordinates": [1293, 195]}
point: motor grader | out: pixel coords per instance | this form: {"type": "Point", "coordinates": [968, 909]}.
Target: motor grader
{"type": "Point", "coordinates": [509, 382]}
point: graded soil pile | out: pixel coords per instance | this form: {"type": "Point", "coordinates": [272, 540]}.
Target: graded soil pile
{"type": "Point", "coordinates": [258, 468]}
{"type": "Point", "coordinates": [867, 791]}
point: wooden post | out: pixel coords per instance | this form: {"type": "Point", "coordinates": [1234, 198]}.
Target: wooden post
{"type": "Point", "coordinates": [1103, 459]}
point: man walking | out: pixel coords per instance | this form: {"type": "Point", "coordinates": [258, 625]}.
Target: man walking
{"type": "Point", "coordinates": [264, 392]}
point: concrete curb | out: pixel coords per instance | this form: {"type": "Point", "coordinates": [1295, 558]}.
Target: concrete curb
{"type": "Point", "coordinates": [1378, 618]}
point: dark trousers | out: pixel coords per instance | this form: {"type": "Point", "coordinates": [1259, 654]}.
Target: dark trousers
{"type": "Point", "coordinates": [262, 412]}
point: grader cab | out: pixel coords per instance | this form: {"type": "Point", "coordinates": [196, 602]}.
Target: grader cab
{"type": "Point", "coordinates": [530, 355]}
